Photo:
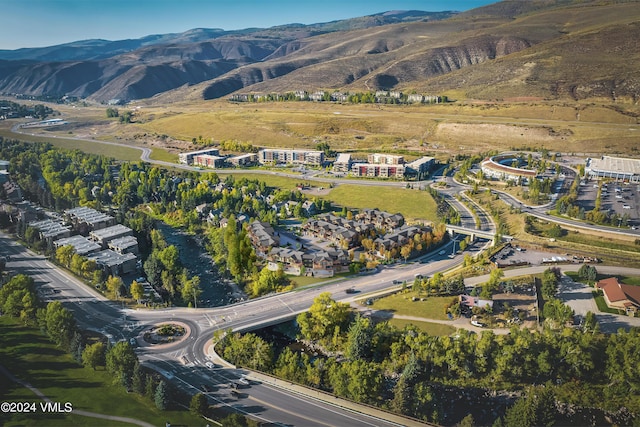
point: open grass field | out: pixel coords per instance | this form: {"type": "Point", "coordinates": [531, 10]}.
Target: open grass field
{"type": "Point", "coordinates": [413, 204]}
{"type": "Point", "coordinates": [434, 329]}
{"type": "Point", "coordinates": [118, 152]}
{"type": "Point", "coordinates": [400, 303]}
{"type": "Point", "coordinates": [30, 356]}
{"type": "Point", "coordinates": [163, 155]}
{"type": "Point", "coordinates": [271, 180]}
{"type": "Point", "coordinates": [441, 130]}
{"type": "Point", "coordinates": [438, 130]}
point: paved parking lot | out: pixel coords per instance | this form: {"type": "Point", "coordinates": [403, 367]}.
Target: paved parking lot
{"type": "Point", "coordinates": [618, 197]}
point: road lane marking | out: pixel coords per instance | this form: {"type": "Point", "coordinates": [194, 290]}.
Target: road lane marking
{"type": "Point", "coordinates": [295, 414]}
{"type": "Point", "coordinates": [286, 305]}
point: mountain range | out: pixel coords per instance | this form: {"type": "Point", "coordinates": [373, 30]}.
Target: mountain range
{"type": "Point", "coordinates": [548, 49]}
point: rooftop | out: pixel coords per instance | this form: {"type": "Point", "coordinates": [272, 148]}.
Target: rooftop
{"type": "Point", "coordinates": [81, 245]}
{"type": "Point", "coordinates": [115, 230]}
{"type": "Point", "coordinates": [110, 258]}
{"type": "Point", "coordinates": [124, 242]}
{"type": "Point", "coordinates": [615, 164]}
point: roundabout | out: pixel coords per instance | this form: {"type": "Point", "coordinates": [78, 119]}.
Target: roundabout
{"type": "Point", "coordinates": [164, 334]}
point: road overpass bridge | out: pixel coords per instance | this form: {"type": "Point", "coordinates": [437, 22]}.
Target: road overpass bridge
{"type": "Point", "coordinates": [475, 233]}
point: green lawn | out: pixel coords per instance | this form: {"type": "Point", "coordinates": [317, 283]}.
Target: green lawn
{"type": "Point", "coordinates": [400, 303]}
{"type": "Point", "coordinates": [413, 204]}
{"type": "Point", "coordinates": [30, 356]}
{"type": "Point", "coordinates": [163, 155]}
{"type": "Point", "coordinates": [602, 304]}
{"type": "Point", "coordinates": [270, 180]}
{"type": "Point", "coordinates": [301, 281]}
{"type": "Point", "coordinates": [434, 329]}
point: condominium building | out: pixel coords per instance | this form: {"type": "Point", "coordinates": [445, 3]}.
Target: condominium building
{"type": "Point", "coordinates": [187, 158]}
{"type": "Point", "coordinates": [302, 157]}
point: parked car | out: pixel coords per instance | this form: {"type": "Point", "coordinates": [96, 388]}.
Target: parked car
{"type": "Point", "coordinates": [478, 324]}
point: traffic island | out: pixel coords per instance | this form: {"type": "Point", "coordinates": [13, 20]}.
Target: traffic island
{"type": "Point", "coordinates": [165, 334]}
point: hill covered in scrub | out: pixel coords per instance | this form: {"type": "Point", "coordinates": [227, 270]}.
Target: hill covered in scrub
{"type": "Point", "coordinates": [548, 49]}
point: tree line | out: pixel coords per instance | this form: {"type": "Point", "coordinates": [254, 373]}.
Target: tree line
{"type": "Point", "coordinates": [19, 299]}
{"type": "Point", "coordinates": [410, 372]}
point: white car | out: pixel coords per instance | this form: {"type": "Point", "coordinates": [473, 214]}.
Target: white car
{"type": "Point", "coordinates": [441, 252]}
{"type": "Point", "coordinates": [210, 365]}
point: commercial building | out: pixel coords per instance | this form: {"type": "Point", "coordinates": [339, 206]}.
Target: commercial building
{"type": "Point", "coordinates": [618, 168]}
{"type": "Point", "coordinates": [493, 168]}
{"type": "Point", "coordinates": [187, 158]}
{"type": "Point", "coordinates": [301, 157]}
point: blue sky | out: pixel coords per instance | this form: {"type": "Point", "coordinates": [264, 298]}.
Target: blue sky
{"type": "Point", "coordinates": [36, 23]}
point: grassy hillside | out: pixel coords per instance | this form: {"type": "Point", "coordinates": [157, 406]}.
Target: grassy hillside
{"type": "Point", "coordinates": [30, 356]}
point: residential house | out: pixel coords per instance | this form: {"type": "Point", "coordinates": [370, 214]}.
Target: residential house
{"type": "Point", "coordinates": [263, 237]}
{"type": "Point", "coordinates": [113, 263]}
{"type": "Point", "coordinates": [105, 235]}
{"type": "Point", "coordinates": [84, 219]}
{"type": "Point", "coordinates": [124, 245]}
{"type": "Point", "coordinates": [620, 296]}
{"type": "Point", "coordinates": [51, 230]}
{"type": "Point", "coordinates": [291, 260]}
{"type": "Point", "coordinates": [81, 245]}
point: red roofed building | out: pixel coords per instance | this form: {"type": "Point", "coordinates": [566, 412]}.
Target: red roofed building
{"type": "Point", "coordinates": [620, 296]}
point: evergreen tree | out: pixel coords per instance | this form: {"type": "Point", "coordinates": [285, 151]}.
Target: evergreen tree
{"type": "Point", "coordinates": [359, 339]}
{"type": "Point", "coordinates": [139, 379]}
{"type": "Point", "coordinates": [161, 396]}
{"type": "Point", "coordinates": [76, 346]}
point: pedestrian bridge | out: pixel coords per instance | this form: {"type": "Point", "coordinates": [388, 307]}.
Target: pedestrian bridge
{"type": "Point", "coordinates": [475, 233]}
